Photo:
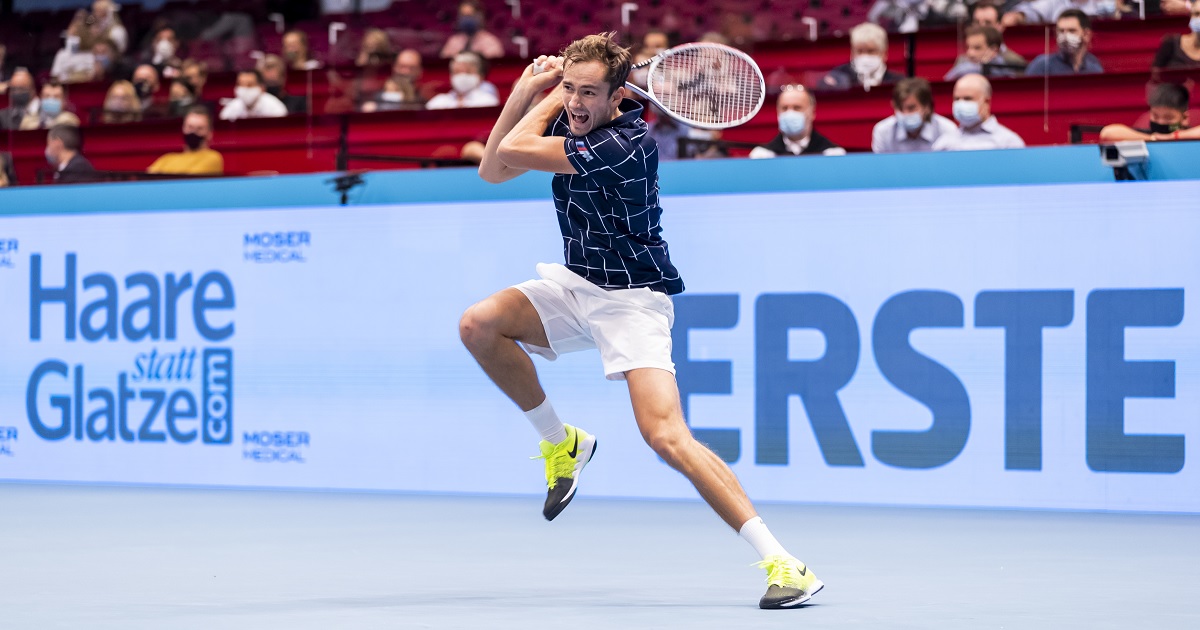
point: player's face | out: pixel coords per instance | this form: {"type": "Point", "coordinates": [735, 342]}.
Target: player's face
{"type": "Point", "coordinates": [586, 98]}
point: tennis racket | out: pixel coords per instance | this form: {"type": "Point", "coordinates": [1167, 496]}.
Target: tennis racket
{"type": "Point", "coordinates": [704, 85]}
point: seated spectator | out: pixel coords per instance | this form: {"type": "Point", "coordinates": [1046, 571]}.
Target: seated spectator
{"type": "Point", "coordinates": [252, 99]}
{"type": "Point", "coordinates": [195, 74]}
{"type": "Point", "coordinates": [109, 65]}
{"type": "Point", "coordinates": [274, 74]}
{"type": "Point", "coordinates": [163, 53]}
{"type": "Point", "coordinates": [121, 104]}
{"type": "Point", "coordinates": [1047, 11]}
{"type": "Point", "coordinates": [977, 127]}
{"type": "Point", "coordinates": [699, 144]}
{"type": "Point", "coordinates": [653, 42]}
{"type": "Point", "coordinates": [1181, 51]}
{"type": "Point", "coordinates": [145, 82]}
{"type": "Point", "coordinates": [868, 61]}
{"type": "Point", "coordinates": [180, 98]}
{"type": "Point", "coordinates": [102, 23]}
{"type": "Point", "coordinates": [22, 110]}
{"type": "Point", "coordinates": [906, 16]}
{"type": "Point", "coordinates": [8, 174]}
{"type": "Point", "coordinates": [5, 73]}
{"type": "Point", "coordinates": [63, 153]}
{"type": "Point", "coordinates": [797, 110]}
{"type": "Point", "coordinates": [397, 94]}
{"type": "Point", "coordinates": [468, 89]}
{"type": "Point", "coordinates": [53, 107]}
{"type": "Point", "coordinates": [914, 127]}
{"type": "Point", "coordinates": [409, 67]}
{"type": "Point", "coordinates": [376, 50]}
{"type": "Point", "coordinates": [1168, 118]}
{"type": "Point", "coordinates": [73, 63]}
{"type": "Point", "coordinates": [471, 33]}
{"type": "Point", "coordinates": [983, 55]}
{"type": "Point", "coordinates": [296, 52]}
{"type": "Point", "coordinates": [1074, 30]}
{"type": "Point", "coordinates": [196, 158]}
{"type": "Point", "coordinates": [1175, 7]}
{"type": "Point", "coordinates": [986, 13]}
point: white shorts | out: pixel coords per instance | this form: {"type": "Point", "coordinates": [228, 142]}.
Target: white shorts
{"type": "Point", "coordinates": [630, 327]}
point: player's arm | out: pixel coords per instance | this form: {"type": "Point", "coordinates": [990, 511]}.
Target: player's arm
{"type": "Point", "coordinates": [491, 167]}
{"type": "Point", "coordinates": [526, 148]}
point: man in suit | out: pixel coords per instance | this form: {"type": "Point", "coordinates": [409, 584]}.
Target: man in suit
{"type": "Point", "coordinates": [63, 144]}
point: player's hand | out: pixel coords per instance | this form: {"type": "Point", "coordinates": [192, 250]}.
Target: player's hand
{"type": "Point", "coordinates": [545, 72]}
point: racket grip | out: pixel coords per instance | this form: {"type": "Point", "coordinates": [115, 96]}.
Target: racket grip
{"type": "Point", "coordinates": [537, 68]}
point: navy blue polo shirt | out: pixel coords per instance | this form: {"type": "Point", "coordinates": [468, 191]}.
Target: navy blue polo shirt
{"type": "Point", "coordinates": [608, 213]}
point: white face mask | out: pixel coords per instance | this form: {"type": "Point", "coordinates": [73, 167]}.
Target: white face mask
{"type": "Point", "coordinates": [248, 95]}
{"type": "Point", "coordinates": [164, 49]}
{"type": "Point", "coordinates": [464, 82]}
{"type": "Point", "coordinates": [966, 113]}
{"type": "Point", "coordinates": [867, 64]}
{"type": "Point", "coordinates": [1194, 24]}
{"type": "Point", "coordinates": [391, 97]}
{"type": "Point", "coordinates": [910, 122]}
{"type": "Point", "coordinates": [1070, 42]}
{"type": "Point", "coordinates": [793, 123]}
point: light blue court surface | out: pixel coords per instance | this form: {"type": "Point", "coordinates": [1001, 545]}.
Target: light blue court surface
{"type": "Point", "coordinates": [130, 558]}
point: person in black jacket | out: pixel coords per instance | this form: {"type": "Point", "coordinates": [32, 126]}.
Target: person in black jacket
{"type": "Point", "coordinates": [797, 110]}
{"type": "Point", "coordinates": [63, 144]}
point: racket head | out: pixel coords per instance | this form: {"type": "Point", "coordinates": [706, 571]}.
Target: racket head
{"type": "Point", "coordinates": [705, 85]}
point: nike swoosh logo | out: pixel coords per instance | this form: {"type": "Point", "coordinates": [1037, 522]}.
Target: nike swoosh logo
{"type": "Point", "coordinates": [803, 571]}
{"type": "Point", "coordinates": [574, 448]}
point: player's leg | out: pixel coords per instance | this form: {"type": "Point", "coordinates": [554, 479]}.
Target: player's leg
{"type": "Point", "coordinates": [490, 330]}
{"type": "Point", "coordinates": [655, 397]}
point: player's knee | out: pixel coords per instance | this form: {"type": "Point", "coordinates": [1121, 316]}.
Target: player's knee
{"type": "Point", "coordinates": [476, 327]}
{"type": "Point", "coordinates": [669, 445]}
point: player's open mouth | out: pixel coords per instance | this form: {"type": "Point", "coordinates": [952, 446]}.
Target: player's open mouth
{"type": "Point", "coordinates": [580, 119]}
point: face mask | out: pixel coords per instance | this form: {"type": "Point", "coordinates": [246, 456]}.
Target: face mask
{"type": "Point", "coordinates": [867, 64]}
{"type": "Point", "coordinates": [179, 106]}
{"type": "Point", "coordinates": [1194, 24]}
{"type": "Point", "coordinates": [291, 56]}
{"type": "Point", "coordinates": [144, 90]}
{"type": "Point", "coordinates": [164, 49]}
{"type": "Point", "coordinates": [910, 122]}
{"type": "Point", "coordinates": [73, 44]}
{"type": "Point", "coordinates": [104, 61]}
{"type": "Point", "coordinates": [1069, 42]}
{"type": "Point", "coordinates": [52, 106]}
{"type": "Point", "coordinates": [464, 82]}
{"type": "Point", "coordinates": [468, 24]}
{"type": "Point", "coordinates": [391, 97]}
{"type": "Point", "coordinates": [20, 98]}
{"type": "Point", "coordinates": [50, 158]}
{"type": "Point", "coordinates": [193, 140]}
{"type": "Point", "coordinates": [248, 95]}
{"type": "Point", "coordinates": [1161, 128]}
{"type": "Point", "coordinates": [793, 123]}
{"type": "Point", "coordinates": [966, 113]}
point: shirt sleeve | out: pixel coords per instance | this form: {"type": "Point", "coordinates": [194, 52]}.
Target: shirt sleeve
{"type": "Point", "coordinates": [607, 157]}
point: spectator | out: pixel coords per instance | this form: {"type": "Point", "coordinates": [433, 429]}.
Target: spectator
{"type": "Point", "coordinates": [163, 53]}
{"type": "Point", "coordinates": [654, 42]}
{"type": "Point", "coordinates": [73, 63]}
{"type": "Point", "coordinates": [8, 174]}
{"type": "Point", "coordinates": [4, 72]}
{"type": "Point", "coordinates": [868, 61]}
{"type": "Point", "coordinates": [252, 99]}
{"type": "Point", "coordinates": [409, 67]}
{"type": "Point", "coordinates": [274, 74]}
{"type": "Point", "coordinates": [667, 132]}
{"type": "Point", "coordinates": [797, 110]}
{"type": "Point", "coordinates": [121, 104]}
{"type": "Point", "coordinates": [977, 127]}
{"type": "Point", "coordinates": [53, 107]}
{"type": "Point", "coordinates": [905, 16]}
{"type": "Point", "coordinates": [145, 83]}
{"type": "Point", "coordinates": [376, 50]}
{"type": "Point", "coordinates": [1074, 30]}
{"type": "Point", "coordinates": [296, 51]}
{"type": "Point", "coordinates": [468, 87]}
{"type": "Point", "coordinates": [181, 98]}
{"type": "Point", "coordinates": [983, 55]}
{"type": "Point", "coordinates": [1181, 51]}
{"type": "Point", "coordinates": [1046, 11]}
{"type": "Point", "coordinates": [22, 110]}
{"type": "Point", "coordinates": [1175, 7]}
{"type": "Point", "coordinates": [1168, 118]}
{"type": "Point", "coordinates": [196, 158]}
{"type": "Point", "coordinates": [471, 34]}
{"type": "Point", "coordinates": [63, 153]}
{"type": "Point", "coordinates": [914, 127]}
{"type": "Point", "coordinates": [102, 23]}
{"type": "Point", "coordinates": [195, 75]}
{"type": "Point", "coordinates": [984, 13]}
{"type": "Point", "coordinates": [397, 94]}
{"type": "Point", "coordinates": [109, 64]}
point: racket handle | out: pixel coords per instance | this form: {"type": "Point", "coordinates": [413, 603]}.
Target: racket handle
{"type": "Point", "coordinates": [537, 68]}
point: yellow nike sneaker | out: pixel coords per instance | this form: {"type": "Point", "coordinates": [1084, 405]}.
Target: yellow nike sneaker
{"type": "Point", "coordinates": [789, 582]}
{"type": "Point", "coordinates": [564, 461]}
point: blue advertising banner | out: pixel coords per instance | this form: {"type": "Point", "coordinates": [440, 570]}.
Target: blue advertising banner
{"type": "Point", "coordinates": [1006, 346]}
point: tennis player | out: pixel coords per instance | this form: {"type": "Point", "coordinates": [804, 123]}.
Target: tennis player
{"type": "Point", "coordinates": [612, 294]}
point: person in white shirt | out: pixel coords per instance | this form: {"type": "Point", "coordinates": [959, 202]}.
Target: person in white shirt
{"type": "Point", "coordinates": [978, 128]}
{"type": "Point", "coordinates": [914, 127]}
{"type": "Point", "coordinates": [797, 111]}
{"type": "Point", "coordinates": [1047, 11]}
{"type": "Point", "coordinates": [252, 99]}
{"type": "Point", "coordinates": [468, 87]}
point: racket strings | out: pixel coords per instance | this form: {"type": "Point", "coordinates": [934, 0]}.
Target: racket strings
{"type": "Point", "coordinates": [708, 86]}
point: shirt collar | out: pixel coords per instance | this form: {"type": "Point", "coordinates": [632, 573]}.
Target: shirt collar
{"type": "Point", "coordinates": [797, 148]}
{"type": "Point", "coordinates": [988, 126]}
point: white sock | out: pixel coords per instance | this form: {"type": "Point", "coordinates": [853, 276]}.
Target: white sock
{"type": "Point", "coordinates": [547, 423]}
{"type": "Point", "coordinates": [755, 532]}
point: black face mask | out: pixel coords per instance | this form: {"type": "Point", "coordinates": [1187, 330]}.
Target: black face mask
{"type": "Point", "coordinates": [20, 98]}
{"type": "Point", "coordinates": [468, 24]}
{"type": "Point", "coordinates": [144, 90]}
{"type": "Point", "coordinates": [193, 140]}
{"type": "Point", "coordinates": [1161, 128]}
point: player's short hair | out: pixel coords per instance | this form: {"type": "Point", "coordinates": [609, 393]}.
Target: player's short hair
{"type": "Point", "coordinates": [1170, 95]}
{"type": "Point", "coordinates": [913, 86]}
{"type": "Point", "coordinates": [869, 33]}
{"type": "Point", "coordinates": [68, 134]}
{"type": "Point", "coordinates": [991, 36]}
{"type": "Point", "coordinates": [605, 49]}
